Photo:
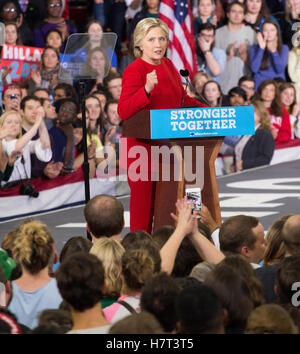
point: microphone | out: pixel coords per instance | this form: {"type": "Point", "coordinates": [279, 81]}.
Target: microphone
{"type": "Point", "coordinates": [185, 74]}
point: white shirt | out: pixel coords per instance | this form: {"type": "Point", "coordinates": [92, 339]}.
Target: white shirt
{"type": "Point", "coordinates": [23, 170]}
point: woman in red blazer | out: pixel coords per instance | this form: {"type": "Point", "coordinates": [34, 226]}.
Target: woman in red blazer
{"type": "Point", "coordinates": [150, 82]}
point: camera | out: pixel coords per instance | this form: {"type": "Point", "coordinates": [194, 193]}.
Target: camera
{"type": "Point", "coordinates": [13, 97]}
{"type": "Point", "coordinates": [28, 189]}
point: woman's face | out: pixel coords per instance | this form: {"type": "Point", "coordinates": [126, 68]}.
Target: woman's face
{"type": "Point", "coordinates": [98, 63]}
{"type": "Point", "coordinates": [11, 34]}
{"type": "Point", "coordinates": [256, 117]}
{"type": "Point", "coordinates": [201, 80]}
{"type": "Point", "coordinates": [54, 40]}
{"type": "Point", "coordinates": [9, 12]}
{"type": "Point", "coordinates": [268, 93]}
{"type": "Point", "coordinates": [153, 4]}
{"type": "Point", "coordinates": [112, 114]}
{"type": "Point", "coordinates": [54, 8]}
{"type": "Point", "coordinates": [93, 107]}
{"type": "Point", "coordinates": [49, 110]}
{"type": "Point", "coordinates": [269, 32]}
{"type": "Point", "coordinates": [287, 96]}
{"type": "Point", "coordinates": [50, 59]}
{"type": "Point", "coordinates": [96, 32]}
{"type": "Point", "coordinates": [254, 6]}
{"type": "Point", "coordinates": [205, 8]}
{"type": "Point", "coordinates": [211, 92]}
{"type": "Point", "coordinates": [154, 45]}
{"type": "Point", "coordinates": [77, 132]}
{"type": "Point", "coordinates": [294, 4]}
{"type": "Point", "coordinates": [67, 113]}
{"type": "Point", "coordinates": [102, 99]}
{"type": "Point", "coordinates": [13, 125]}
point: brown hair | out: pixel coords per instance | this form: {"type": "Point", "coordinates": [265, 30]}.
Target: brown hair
{"type": "Point", "coordinates": [270, 319]}
{"type": "Point", "coordinates": [275, 249]}
{"type": "Point", "coordinates": [264, 64]}
{"type": "Point", "coordinates": [137, 267]}
{"type": "Point", "coordinates": [265, 121]}
{"type": "Point", "coordinates": [276, 106]}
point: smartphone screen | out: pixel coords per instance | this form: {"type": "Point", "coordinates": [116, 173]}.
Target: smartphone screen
{"type": "Point", "coordinates": [194, 197]}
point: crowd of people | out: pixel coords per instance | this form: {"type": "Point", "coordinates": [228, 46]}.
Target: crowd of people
{"type": "Point", "coordinates": [247, 53]}
{"type": "Point", "coordinates": [195, 278]}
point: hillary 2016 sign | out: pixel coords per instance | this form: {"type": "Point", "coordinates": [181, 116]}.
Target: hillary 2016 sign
{"type": "Point", "coordinates": [21, 59]}
{"type": "Point", "coordinates": [202, 122]}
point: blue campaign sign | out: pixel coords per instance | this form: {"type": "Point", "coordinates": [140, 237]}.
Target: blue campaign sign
{"type": "Point", "coordinates": [202, 122]}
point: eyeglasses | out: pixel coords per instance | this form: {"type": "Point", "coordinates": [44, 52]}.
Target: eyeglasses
{"type": "Point", "coordinates": [206, 35]}
{"type": "Point", "coordinates": [67, 110]}
{"type": "Point", "coordinates": [54, 5]}
{"type": "Point", "coordinates": [10, 9]}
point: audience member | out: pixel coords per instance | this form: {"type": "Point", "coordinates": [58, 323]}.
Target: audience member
{"type": "Point", "coordinates": [243, 235]}
{"type": "Point", "coordinates": [270, 319]}
{"type": "Point", "coordinates": [23, 144]}
{"type": "Point", "coordinates": [104, 215]}
{"type": "Point", "coordinates": [268, 92]}
{"type": "Point", "coordinates": [113, 84]}
{"type": "Point", "coordinates": [235, 296]}
{"type": "Point", "coordinates": [198, 82]}
{"type": "Point", "coordinates": [287, 281]}
{"type": "Point", "coordinates": [137, 323]}
{"type": "Point", "coordinates": [235, 39]}
{"type": "Point", "coordinates": [11, 98]}
{"type": "Point", "coordinates": [288, 99]}
{"type": "Point", "coordinates": [257, 12]}
{"type": "Point", "coordinates": [12, 34]}
{"type": "Point", "coordinates": [209, 58]}
{"type": "Point", "coordinates": [294, 64]}
{"type": "Point", "coordinates": [290, 237]}
{"type": "Point", "coordinates": [275, 250]}
{"type": "Point", "coordinates": [10, 11]}
{"type": "Point", "coordinates": [213, 94]}
{"type": "Point", "coordinates": [56, 318]}
{"type": "Point", "coordinates": [237, 97]}
{"type": "Point", "coordinates": [110, 253]}
{"type": "Point", "coordinates": [73, 245]}
{"type": "Point", "coordinates": [62, 138]}
{"type": "Point", "coordinates": [64, 90]}
{"type": "Point", "coordinates": [205, 14]}
{"type": "Point", "coordinates": [200, 311]}
{"type": "Point", "coordinates": [247, 83]}
{"type": "Point", "coordinates": [256, 150]}
{"type": "Point", "coordinates": [80, 279]}
{"type": "Point", "coordinates": [54, 39]}
{"type": "Point", "coordinates": [288, 19]}
{"type": "Point", "coordinates": [239, 263]}
{"type": "Point", "coordinates": [35, 290]}
{"type": "Point", "coordinates": [50, 72]}
{"type": "Point", "coordinates": [53, 20]}
{"type": "Point", "coordinates": [138, 267]}
{"type": "Point", "coordinates": [201, 270]}
{"type": "Point", "coordinates": [159, 297]}
{"type": "Point", "coordinates": [268, 58]}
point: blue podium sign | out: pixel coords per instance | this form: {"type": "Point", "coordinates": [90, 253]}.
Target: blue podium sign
{"type": "Point", "coordinates": [201, 122]}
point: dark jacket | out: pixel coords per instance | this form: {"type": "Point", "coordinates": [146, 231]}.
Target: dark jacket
{"type": "Point", "coordinates": [259, 149]}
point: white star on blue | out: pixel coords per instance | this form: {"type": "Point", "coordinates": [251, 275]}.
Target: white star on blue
{"type": "Point", "coordinates": [181, 10]}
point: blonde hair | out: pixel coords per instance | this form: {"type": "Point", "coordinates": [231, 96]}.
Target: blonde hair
{"type": "Point", "coordinates": [33, 246]}
{"type": "Point", "coordinates": [110, 252]}
{"type": "Point", "coordinates": [6, 114]}
{"type": "Point", "coordinates": [265, 121]}
{"type": "Point", "coordinates": [141, 30]}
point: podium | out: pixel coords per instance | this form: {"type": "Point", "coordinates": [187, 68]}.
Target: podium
{"type": "Point", "coordinates": [186, 130]}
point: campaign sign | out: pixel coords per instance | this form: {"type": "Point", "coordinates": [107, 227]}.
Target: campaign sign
{"type": "Point", "coordinates": [201, 122]}
{"type": "Point", "coordinates": [21, 59]}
